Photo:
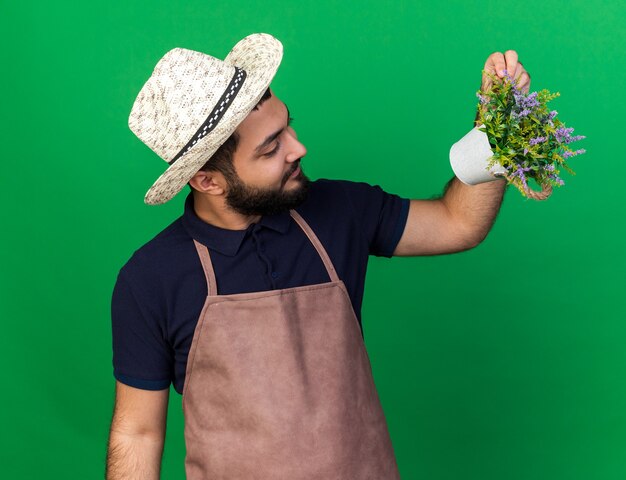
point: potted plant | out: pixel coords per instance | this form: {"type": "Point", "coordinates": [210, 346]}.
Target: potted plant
{"type": "Point", "coordinates": [517, 138]}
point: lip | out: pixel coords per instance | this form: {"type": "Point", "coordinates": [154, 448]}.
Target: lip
{"type": "Point", "coordinates": [295, 173]}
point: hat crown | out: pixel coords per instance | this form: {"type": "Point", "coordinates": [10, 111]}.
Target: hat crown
{"type": "Point", "coordinates": [183, 89]}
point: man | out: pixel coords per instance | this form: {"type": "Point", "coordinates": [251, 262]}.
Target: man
{"type": "Point", "coordinates": [249, 303]}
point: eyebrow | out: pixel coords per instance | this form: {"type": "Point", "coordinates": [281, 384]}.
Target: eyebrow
{"type": "Point", "coordinates": [270, 138]}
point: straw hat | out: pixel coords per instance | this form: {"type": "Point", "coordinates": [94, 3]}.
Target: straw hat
{"type": "Point", "coordinates": [193, 102]}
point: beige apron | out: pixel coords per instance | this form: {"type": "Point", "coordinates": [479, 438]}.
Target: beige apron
{"type": "Point", "coordinates": [279, 386]}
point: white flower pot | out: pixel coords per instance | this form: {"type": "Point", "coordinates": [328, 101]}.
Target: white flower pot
{"type": "Point", "coordinates": [470, 156]}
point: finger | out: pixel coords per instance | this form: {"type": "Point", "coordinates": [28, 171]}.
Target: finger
{"type": "Point", "coordinates": [496, 64]}
{"type": "Point", "coordinates": [486, 84]}
{"type": "Point", "coordinates": [524, 82]}
{"type": "Point", "coordinates": [510, 57]}
{"type": "Point", "coordinates": [522, 77]}
{"type": "Point", "coordinates": [518, 75]}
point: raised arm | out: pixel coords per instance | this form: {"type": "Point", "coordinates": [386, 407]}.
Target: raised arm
{"type": "Point", "coordinates": [463, 217]}
{"type": "Point", "coordinates": [137, 433]}
{"type": "Point", "coordinates": [458, 221]}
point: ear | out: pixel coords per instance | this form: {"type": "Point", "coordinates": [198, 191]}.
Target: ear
{"type": "Point", "coordinates": [211, 183]}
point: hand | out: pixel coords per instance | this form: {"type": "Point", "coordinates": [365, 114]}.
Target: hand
{"type": "Point", "coordinates": [497, 62]}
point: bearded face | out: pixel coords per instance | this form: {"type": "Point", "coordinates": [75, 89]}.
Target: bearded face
{"type": "Point", "coordinates": [248, 200]}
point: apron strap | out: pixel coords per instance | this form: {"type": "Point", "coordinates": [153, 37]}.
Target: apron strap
{"type": "Point", "coordinates": [207, 266]}
{"type": "Point", "coordinates": [209, 273]}
{"type": "Point", "coordinates": [332, 273]}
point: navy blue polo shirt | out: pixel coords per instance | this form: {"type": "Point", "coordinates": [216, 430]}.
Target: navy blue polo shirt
{"type": "Point", "coordinates": [161, 290]}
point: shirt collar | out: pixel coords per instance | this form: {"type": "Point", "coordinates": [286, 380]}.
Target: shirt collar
{"type": "Point", "coordinates": [225, 241]}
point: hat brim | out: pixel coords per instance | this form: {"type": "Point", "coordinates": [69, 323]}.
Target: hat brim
{"type": "Point", "coordinates": [259, 55]}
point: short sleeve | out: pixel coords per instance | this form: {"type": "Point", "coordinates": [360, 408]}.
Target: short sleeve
{"type": "Point", "coordinates": [142, 357]}
{"type": "Point", "coordinates": [381, 216]}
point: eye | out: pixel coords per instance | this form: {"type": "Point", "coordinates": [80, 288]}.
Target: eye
{"type": "Point", "coordinates": [273, 152]}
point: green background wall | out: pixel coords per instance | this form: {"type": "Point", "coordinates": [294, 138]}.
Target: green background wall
{"type": "Point", "coordinates": [505, 361]}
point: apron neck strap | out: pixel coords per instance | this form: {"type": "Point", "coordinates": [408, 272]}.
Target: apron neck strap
{"type": "Point", "coordinates": [207, 266]}
{"type": "Point", "coordinates": [209, 273]}
{"type": "Point", "coordinates": [332, 273]}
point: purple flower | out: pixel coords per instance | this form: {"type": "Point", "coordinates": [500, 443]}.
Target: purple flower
{"type": "Point", "coordinates": [520, 173]}
{"type": "Point", "coordinates": [562, 134]}
{"type": "Point", "coordinates": [556, 179]}
{"type": "Point", "coordinates": [526, 101]}
{"type": "Point", "coordinates": [511, 81]}
{"type": "Point", "coordinates": [521, 114]}
{"type": "Point", "coordinates": [483, 99]}
{"type": "Point", "coordinates": [553, 114]}
{"type": "Point", "coordinates": [524, 104]}
{"type": "Point", "coordinates": [575, 138]}
{"type": "Point", "coordinates": [569, 153]}
{"type": "Point", "coordinates": [535, 141]}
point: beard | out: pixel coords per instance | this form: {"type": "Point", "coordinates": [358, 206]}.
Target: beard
{"type": "Point", "coordinates": [248, 200]}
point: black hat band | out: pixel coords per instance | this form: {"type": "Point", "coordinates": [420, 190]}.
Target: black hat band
{"type": "Point", "coordinates": [217, 113]}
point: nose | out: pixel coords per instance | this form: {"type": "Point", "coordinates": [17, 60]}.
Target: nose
{"type": "Point", "coordinates": [296, 149]}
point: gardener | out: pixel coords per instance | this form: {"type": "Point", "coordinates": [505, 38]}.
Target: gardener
{"type": "Point", "coordinates": [250, 302]}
